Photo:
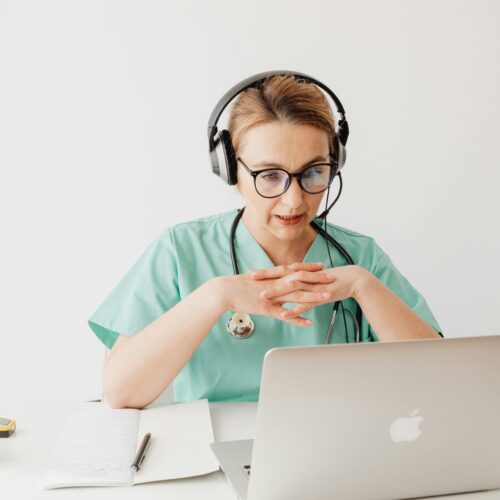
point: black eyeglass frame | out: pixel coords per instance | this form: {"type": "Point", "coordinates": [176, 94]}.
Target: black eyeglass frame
{"type": "Point", "coordinates": [254, 173]}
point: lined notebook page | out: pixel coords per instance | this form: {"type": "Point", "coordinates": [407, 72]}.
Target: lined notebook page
{"type": "Point", "coordinates": [96, 448]}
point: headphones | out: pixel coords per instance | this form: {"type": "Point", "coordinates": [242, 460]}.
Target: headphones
{"type": "Point", "coordinates": [222, 154]}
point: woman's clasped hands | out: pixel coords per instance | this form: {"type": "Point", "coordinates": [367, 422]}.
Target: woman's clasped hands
{"type": "Point", "coordinates": [306, 285]}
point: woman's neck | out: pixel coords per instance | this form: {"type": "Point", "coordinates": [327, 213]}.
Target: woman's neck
{"type": "Point", "coordinates": [281, 252]}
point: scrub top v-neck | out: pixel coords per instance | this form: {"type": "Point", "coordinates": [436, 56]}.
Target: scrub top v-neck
{"type": "Point", "coordinates": [247, 245]}
{"type": "Point", "coordinates": [186, 255]}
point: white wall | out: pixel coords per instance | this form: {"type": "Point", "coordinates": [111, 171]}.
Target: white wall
{"type": "Point", "coordinates": [102, 102]}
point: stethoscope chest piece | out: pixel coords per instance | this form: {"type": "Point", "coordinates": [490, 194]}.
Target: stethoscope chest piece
{"type": "Point", "coordinates": [240, 325]}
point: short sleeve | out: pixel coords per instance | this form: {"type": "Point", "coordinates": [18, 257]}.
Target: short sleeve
{"type": "Point", "coordinates": [386, 272]}
{"type": "Point", "coordinates": [147, 290]}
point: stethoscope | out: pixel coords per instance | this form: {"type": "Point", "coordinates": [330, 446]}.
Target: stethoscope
{"type": "Point", "coordinates": [241, 326]}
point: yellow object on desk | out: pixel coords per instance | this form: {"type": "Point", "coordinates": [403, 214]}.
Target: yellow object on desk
{"type": "Point", "coordinates": [7, 427]}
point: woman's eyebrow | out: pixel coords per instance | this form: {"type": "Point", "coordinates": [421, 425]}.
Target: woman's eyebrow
{"type": "Point", "coordinates": [274, 164]}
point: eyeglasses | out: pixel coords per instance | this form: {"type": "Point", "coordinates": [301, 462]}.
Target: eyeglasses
{"type": "Point", "coordinates": [273, 182]}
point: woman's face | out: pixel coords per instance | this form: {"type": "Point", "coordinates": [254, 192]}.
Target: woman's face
{"type": "Point", "coordinates": [291, 147]}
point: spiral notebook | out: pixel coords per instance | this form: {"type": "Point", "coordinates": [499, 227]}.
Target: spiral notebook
{"type": "Point", "coordinates": [98, 446]}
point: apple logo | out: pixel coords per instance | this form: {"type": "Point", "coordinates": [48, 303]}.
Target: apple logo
{"type": "Point", "coordinates": [406, 428]}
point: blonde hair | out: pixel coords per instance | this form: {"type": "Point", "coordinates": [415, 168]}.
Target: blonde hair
{"type": "Point", "coordinates": [285, 98]}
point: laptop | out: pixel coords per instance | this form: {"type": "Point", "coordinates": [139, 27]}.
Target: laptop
{"type": "Point", "coordinates": [373, 421]}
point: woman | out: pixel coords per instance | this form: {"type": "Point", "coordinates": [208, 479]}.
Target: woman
{"type": "Point", "coordinates": [169, 318]}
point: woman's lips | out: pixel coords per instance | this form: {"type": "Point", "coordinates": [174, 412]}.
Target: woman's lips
{"type": "Point", "coordinates": [289, 221]}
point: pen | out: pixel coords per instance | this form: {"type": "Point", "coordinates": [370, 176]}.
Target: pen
{"type": "Point", "coordinates": [141, 454]}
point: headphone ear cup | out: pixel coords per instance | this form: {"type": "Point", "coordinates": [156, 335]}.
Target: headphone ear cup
{"type": "Point", "coordinates": [223, 158]}
{"type": "Point", "coordinates": [230, 157]}
{"type": "Point", "coordinates": [341, 136]}
{"type": "Point", "coordinates": [339, 153]}
{"type": "Point", "coordinates": [343, 131]}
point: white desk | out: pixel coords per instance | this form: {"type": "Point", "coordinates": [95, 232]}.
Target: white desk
{"type": "Point", "coordinates": [25, 456]}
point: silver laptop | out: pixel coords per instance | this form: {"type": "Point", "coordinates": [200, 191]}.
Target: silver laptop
{"type": "Point", "coordinates": [374, 421]}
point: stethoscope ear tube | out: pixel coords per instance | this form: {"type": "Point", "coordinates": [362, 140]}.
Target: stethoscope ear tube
{"type": "Point", "coordinates": [332, 321]}
{"type": "Point", "coordinates": [231, 240]}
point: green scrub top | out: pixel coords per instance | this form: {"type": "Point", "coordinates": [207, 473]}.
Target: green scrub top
{"type": "Point", "coordinates": [223, 368]}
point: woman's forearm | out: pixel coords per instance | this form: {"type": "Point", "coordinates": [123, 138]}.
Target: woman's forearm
{"type": "Point", "coordinates": [140, 369]}
{"type": "Point", "coordinates": [389, 317]}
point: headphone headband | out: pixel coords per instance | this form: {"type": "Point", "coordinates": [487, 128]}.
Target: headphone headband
{"type": "Point", "coordinates": [254, 81]}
